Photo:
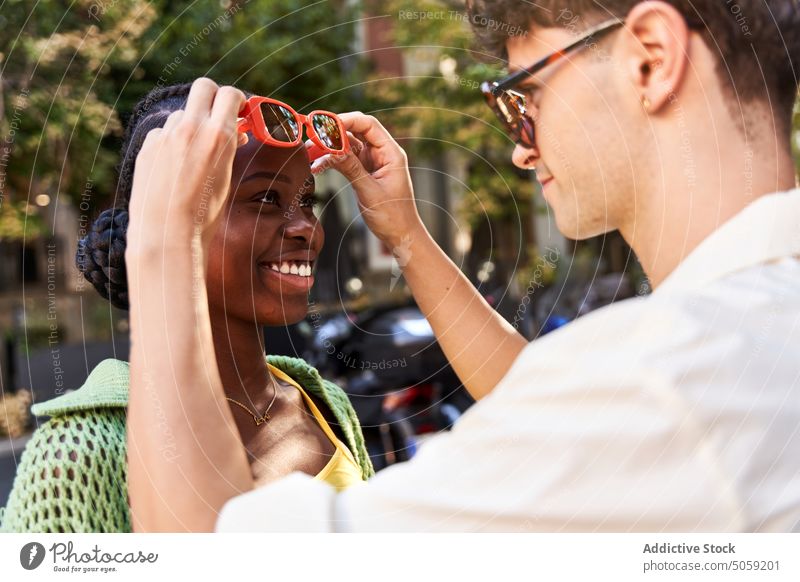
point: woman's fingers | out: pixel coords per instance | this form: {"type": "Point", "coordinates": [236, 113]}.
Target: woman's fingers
{"type": "Point", "coordinates": [201, 98]}
{"type": "Point", "coordinates": [173, 119]}
{"type": "Point", "coordinates": [227, 104]}
{"type": "Point", "coordinates": [206, 100]}
{"type": "Point", "coordinates": [151, 136]}
{"type": "Point", "coordinates": [188, 164]}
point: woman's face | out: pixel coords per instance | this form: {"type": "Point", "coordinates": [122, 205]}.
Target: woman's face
{"type": "Point", "coordinates": [261, 257]}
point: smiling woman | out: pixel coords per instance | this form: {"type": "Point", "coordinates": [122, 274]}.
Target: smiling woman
{"type": "Point", "coordinates": [268, 229]}
{"type": "Point", "coordinates": [258, 256]}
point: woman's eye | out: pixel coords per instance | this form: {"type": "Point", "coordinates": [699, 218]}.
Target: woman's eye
{"type": "Point", "coordinates": [268, 197]}
{"type": "Point", "coordinates": [311, 201]}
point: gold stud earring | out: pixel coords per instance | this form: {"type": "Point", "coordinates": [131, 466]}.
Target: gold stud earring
{"type": "Point", "coordinates": [646, 103]}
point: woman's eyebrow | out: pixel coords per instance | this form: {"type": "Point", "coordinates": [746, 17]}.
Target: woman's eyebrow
{"type": "Point", "coordinates": [269, 176]}
{"type": "Point", "coordinates": [309, 183]}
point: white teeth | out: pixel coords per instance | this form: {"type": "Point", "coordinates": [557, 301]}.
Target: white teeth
{"type": "Point", "coordinates": [300, 269]}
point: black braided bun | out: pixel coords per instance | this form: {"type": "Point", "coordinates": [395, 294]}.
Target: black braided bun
{"type": "Point", "coordinates": [101, 253]}
{"type": "Point", "coordinates": [101, 256]}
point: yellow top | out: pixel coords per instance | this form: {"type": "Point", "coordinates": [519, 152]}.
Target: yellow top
{"type": "Point", "coordinates": [342, 470]}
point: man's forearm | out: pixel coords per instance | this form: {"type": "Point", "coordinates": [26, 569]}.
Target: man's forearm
{"type": "Point", "coordinates": [184, 452]}
{"type": "Point", "coordinates": [478, 342]}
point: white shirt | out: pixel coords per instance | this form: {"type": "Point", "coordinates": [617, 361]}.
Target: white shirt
{"type": "Point", "coordinates": [679, 411]}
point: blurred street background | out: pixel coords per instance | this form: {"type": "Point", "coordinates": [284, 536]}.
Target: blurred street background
{"type": "Point", "coordinates": [70, 74]}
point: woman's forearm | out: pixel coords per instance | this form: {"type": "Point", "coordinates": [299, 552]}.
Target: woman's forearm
{"type": "Point", "coordinates": [185, 455]}
{"type": "Point", "coordinates": [478, 342]}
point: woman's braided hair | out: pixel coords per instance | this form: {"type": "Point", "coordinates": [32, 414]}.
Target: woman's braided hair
{"type": "Point", "coordinates": [101, 253]}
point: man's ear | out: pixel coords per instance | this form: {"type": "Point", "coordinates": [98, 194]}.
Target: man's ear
{"type": "Point", "coordinates": [657, 51]}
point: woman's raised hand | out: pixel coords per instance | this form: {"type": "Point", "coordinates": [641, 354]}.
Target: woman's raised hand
{"type": "Point", "coordinates": [183, 171]}
{"type": "Point", "coordinates": [378, 172]}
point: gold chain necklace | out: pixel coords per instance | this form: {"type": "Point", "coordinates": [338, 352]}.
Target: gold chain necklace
{"type": "Point", "coordinates": [264, 417]}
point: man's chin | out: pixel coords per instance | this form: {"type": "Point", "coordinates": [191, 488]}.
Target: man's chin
{"type": "Point", "coordinates": [573, 229]}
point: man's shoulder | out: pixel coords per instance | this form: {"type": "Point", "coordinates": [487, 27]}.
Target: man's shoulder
{"type": "Point", "coordinates": [634, 330]}
{"type": "Point", "coordinates": [611, 326]}
{"type": "Point", "coordinates": [105, 387]}
{"type": "Point", "coordinates": [722, 325]}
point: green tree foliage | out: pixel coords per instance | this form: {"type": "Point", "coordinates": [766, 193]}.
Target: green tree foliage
{"type": "Point", "coordinates": [71, 72]}
{"type": "Point", "coordinates": [300, 52]}
{"type": "Point", "coordinates": [55, 57]}
{"type": "Point", "coordinates": [439, 106]}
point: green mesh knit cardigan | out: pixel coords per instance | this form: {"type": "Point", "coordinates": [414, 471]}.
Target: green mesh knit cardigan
{"type": "Point", "coordinates": [72, 476]}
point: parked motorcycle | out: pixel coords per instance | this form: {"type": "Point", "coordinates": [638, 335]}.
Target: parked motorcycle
{"type": "Point", "coordinates": [388, 361]}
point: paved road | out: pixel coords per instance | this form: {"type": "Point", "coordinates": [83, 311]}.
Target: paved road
{"type": "Point", "coordinates": [51, 372]}
{"type": "Point", "coordinates": [10, 451]}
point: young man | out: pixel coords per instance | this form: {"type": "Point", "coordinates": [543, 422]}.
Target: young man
{"type": "Point", "coordinates": [673, 412]}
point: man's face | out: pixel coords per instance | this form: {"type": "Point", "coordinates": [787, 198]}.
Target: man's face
{"type": "Point", "coordinates": [582, 159]}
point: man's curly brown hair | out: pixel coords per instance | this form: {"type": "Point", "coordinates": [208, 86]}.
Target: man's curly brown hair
{"type": "Point", "coordinates": [756, 42]}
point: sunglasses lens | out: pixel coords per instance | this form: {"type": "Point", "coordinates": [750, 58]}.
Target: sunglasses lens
{"type": "Point", "coordinates": [328, 131]}
{"type": "Point", "coordinates": [510, 110]}
{"type": "Point", "coordinates": [281, 123]}
{"type": "Point", "coordinates": [526, 133]}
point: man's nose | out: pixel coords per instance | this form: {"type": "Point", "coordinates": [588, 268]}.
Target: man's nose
{"type": "Point", "coordinates": [524, 157]}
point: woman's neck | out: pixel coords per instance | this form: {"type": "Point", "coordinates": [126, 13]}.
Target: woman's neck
{"type": "Point", "coordinates": [241, 360]}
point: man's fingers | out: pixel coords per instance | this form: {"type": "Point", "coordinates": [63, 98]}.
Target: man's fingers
{"type": "Point", "coordinates": [349, 166]}
{"type": "Point", "coordinates": [356, 144]}
{"type": "Point", "coordinates": [368, 128]}
{"type": "Point", "coordinates": [201, 98]}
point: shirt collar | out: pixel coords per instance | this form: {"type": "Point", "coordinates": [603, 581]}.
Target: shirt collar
{"type": "Point", "coordinates": [766, 230]}
{"type": "Point", "coordinates": [107, 386]}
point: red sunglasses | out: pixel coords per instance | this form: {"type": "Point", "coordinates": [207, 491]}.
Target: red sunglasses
{"type": "Point", "coordinates": [275, 123]}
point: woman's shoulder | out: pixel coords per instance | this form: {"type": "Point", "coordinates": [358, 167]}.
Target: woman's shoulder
{"type": "Point", "coordinates": [336, 400]}
{"type": "Point", "coordinates": [310, 379]}
{"type": "Point", "coordinates": [300, 371]}
{"type": "Point", "coordinates": [105, 387]}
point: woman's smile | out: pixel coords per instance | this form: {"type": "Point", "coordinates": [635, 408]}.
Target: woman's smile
{"type": "Point", "coordinates": [292, 271]}
{"type": "Point", "coordinates": [287, 281]}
